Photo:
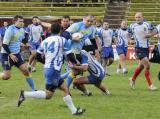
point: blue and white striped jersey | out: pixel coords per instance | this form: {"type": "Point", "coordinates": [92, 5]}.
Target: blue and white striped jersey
{"type": "Point", "coordinates": [54, 48]}
{"type": "Point", "coordinates": [99, 31]}
{"type": "Point", "coordinates": [95, 68]}
{"type": "Point", "coordinates": [158, 32]}
{"type": "Point", "coordinates": [121, 37]}
{"type": "Point", "coordinates": [139, 31]}
{"type": "Point", "coordinates": [35, 33]}
{"type": "Point", "coordinates": [106, 37]}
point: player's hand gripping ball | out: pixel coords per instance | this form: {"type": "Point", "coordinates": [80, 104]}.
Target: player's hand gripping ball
{"type": "Point", "coordinates": [77, 36]}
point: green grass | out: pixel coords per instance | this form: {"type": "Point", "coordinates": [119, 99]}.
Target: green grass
{"type": "Point", "coordinates": [123, 104]}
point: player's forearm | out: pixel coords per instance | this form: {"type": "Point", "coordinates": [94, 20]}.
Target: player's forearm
{"type": "Point", "coordinates": [150, 34]}
{"type": "Point", "coordinates": [6, 48]}
{"type": "Point", "coordinates": [71, 58]}
{"type": "Point", "coordinates": [45, 24]}
{"type": "Point", "coordinates": [40, 58]}
{"type": "Point", "coordinates": [81, 67]}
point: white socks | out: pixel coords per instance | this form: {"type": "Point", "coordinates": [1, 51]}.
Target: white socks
{"type": "Point", "coordinates": [35, 94]}
{"type": "Point", "coordinates": [42, 95]}
{"type": "Point", "coordinates": [1, 75]}
{"type": "Point", "coordinates": [68, 100]}
{"type": "Point", "coordinates": [124, 70]}
{"type": "Point", "coordinates": [119, 70]}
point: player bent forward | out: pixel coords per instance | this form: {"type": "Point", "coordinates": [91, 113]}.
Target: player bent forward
{"type": "Point", "coordinates": [96, 72]}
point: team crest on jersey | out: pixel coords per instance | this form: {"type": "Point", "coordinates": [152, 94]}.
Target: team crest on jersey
{"type": "Point", "coordinates": [145, 29]}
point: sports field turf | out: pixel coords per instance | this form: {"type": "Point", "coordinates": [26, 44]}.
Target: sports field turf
{"type": "Point", "coordinates": [124, 103]}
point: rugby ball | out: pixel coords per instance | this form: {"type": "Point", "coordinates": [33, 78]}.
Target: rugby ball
{"type": "Point", "coordinates": [77, 36]}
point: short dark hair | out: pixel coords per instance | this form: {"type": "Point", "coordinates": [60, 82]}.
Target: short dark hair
{"type": "Point", "coordinates": [66, 17]}
{"type": "Point", "coordinates": [55, 28]}
{"type": "Point", "coordinates": [98, 20]}
{"type": "Point", "coordinates": [88, 15]}
{"type": "Point", "coordinates": [16, 17]}
{"type": "Point", "coordinates": [34, 17]}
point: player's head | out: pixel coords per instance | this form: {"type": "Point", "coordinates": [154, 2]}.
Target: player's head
{"type": "Point", "coordinates": [35, 20]}
{"type": "Point", "coordinates": [5, 23]}
{"type": "Point", "coordinates": [139, 17]}
{"type": "Point", "coordinates": [124, 24]}
{"type": "Point", "coordinates": [18, 21]}
{"type": "Point", "coordinates": [65, 21]}
{"type": "Point", "coordinates": [98, 23]}
{"type": "Point", "coordinates": [105, 25]}
{"type": "Point", "coordinates": [55, 28]}
{"type": "Point", "coordinates": [88, 20]}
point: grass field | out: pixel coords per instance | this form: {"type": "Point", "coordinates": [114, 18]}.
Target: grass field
{"type": "Point", "coordinates": [123, 104]}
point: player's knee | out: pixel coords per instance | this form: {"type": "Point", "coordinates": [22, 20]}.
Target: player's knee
{"type": "Point", "coordinates": [24, 70]}
{"type": "Point", "coordinates": [6, 77]}
{"type": "Point", "coordinates": [75, 83]}
{"type": "Point", "coordinates": [49, 95]}
{"type": "Point", "coordinates": [110, 61]}
{"type": "Point", "coordinates": [147, 67]}
{"type": "Point", "coordinates": [33, 53]}
{"type": "Point", "coordinates": [65, 91]}
{"type": "Point", "coordinates": [26, 73]}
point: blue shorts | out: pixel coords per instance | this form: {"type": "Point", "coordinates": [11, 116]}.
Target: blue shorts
{"type": "Point", "coordinates": [34, 46]}
{"type": "Point", "coordinates": [52, 78]}
{"type": "Point", "coordinates": [142, 52]}
{"type": "Point", "coordinates": [95, 80]}
{"type": "Point", "coordinates": [159, 48]}
{"type": "Point", "coordinates": [0, 56]}
{"type": "Point", "coordinates": [122, 50]}
{"type": "Point", "coordinates": [107, 52]}
{"type": "Point", "coordinates": [7, 62]}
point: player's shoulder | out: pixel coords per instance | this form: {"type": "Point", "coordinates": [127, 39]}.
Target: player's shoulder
{"type": "Point", "coordinates": [133, 24]}
{"type": "Point", "coordinates": [158, 26]}
{"type": "Point", "coordinates": [116, 31]}
{"type": "Point", "coordinates": [63, 39]}
{"type": "Point", "coordinates": [111, 30]}
{"type": "Point", "coordinates": [55, 38]}
{"type": "Point", "coordinates": [11, 27]}
{"type": "Point", "coordinates": [146, 23]}
{"type": "Point", "coordinates": [30, 25]}
{"type": "Point", "coordinates": [77, 24]}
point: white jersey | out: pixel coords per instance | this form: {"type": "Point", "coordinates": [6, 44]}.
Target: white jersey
{"type": "Point", "coordinates": [53, 48]}
{"type": "Point", "coordinates": [139, 31]}
{"type": "Point", "coordinates": [106, 36]}
{"type": "Point", "coordinates": [121, 37]}
{"type": "Point", "coordinates": [158, 32]}
{"type": "Point", "coordinates": [99, 29]}
{"type": "Point", "coordinates": [35, 33]}
{"type": "Point", "coordinates": [95, 68]}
